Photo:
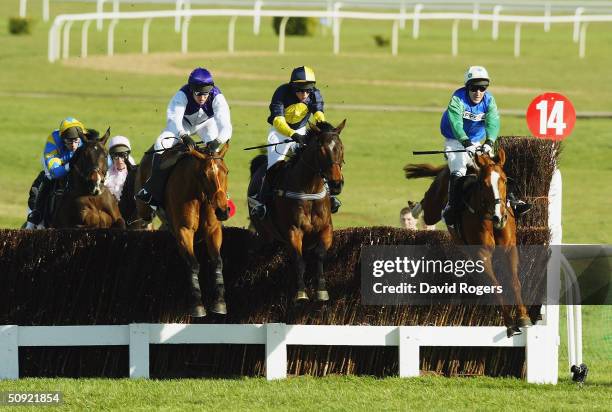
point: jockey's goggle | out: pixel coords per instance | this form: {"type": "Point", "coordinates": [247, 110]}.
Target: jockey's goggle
{"type": "Point", "coordinates": [120, 155]}
{"type": "Point", "coordinates": [479, 88]}
{"type": "Point", "coordinates": [70, 140]}
{"type": "Point", "coordinates": [201, 93]}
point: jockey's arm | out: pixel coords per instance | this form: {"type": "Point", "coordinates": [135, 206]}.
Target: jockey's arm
{"type": "Point", "coordinates": [222, 118]}
{"type": "Point", "coordinates": [280, 123]}
{"type": "Point", "coordinates": [56, 167]}
{"type": "Point", "coordinates": [317, 106]}
{"type": "Point", "coordinates": [455, 116]}
{"type": "Point", "coordinates": [492, 121]}
{"type": "Point", "coordinates": [175, 113]}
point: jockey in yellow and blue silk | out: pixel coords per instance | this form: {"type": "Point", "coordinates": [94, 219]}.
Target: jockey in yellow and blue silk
{"type": "Point", "coordinates": [291, 108]}
{"type": "Point", "coordinates": [59, 149]}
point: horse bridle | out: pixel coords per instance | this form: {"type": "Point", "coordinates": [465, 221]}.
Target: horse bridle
{"type": "Point", "coordinates": [74, 166]}
{"type": "Point", "coordinates": [216, 174]}
{"type": "Point", "coordinates": [319, 169]}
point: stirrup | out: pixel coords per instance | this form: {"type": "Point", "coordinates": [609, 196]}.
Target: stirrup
{"type": "Point", "coordinates": [35, 217]}
{"type": "Point", "coordinates": [259, 212]}
{"type": "Point", "coordinates": [521, 208]}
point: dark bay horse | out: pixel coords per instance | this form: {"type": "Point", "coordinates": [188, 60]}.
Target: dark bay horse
{"type": "Point", "coordinates": [86, 201]}
{"type": "Point", "coordinates": [194, 204]}
{"type": "Point", "coordinates": [300, 214]}
{"type": "Point", "coordinates": [487, 220]}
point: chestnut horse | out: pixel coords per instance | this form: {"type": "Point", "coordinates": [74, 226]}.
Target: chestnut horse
{"type": "Point", "coordinates": [487, 220]}
{"type": "Point", "coordinates": [86, 201]}
{"type": "Point", "coordinates": [300, 213]}
{"type": "Point", "coordinates": [194, 204]}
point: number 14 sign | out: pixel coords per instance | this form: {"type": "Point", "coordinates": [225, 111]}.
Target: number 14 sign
{"type": "Point", "coordinates": [551, 116]}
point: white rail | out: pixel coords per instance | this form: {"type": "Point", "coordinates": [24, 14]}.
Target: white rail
{"type": "Point", "coordinates": [61, 22]}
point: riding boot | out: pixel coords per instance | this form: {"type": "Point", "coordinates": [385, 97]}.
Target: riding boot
{"type": "Point", "coordinates": [36, 216]}
{"type": "Point", "coordinates": [152, 191]}
{"type": "Point", "coordinates": [520, 207]}
{"type": "Point", "coordinates": [263, 196]}
{"type": "Point", "coordinates": [454, 194]}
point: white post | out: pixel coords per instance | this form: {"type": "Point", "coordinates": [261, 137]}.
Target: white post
{"type": "Point", "coordinates": [495, 30]}
{"type": "Point", "coordinates": [281, 34]}
{"type": "Point", "coordinates": [257, 17]}
{"type": "Point", "coordinates": [408, 353]}
{"type": "Point", "coordinates": [571, 335]}
{"type": "Point", "coordinates": [116, 6]}
{"type": "Point", "coordinates": [66, 39]}
{"type": "Point", "coordinates": [475, 20]}
{"type": "Point", "coordinates": [177, 19]}
{"type": "Point", "coordinates": [84, 37]}
{"type": "Point", "coordinates": [455, 38]}
{"type": "Point", "coordinates": [547, 12]}
{"type": "Point", "coordinates": [402, 11]}
{"type": "Point", "coordinates": [336, 29]}
{"type": "Point", "coordinates": [394, 37]}
{"type": "Point", "coordinates": [111, 37]}
{"type": "Point", "coordinates": [99, 9]}
{"type": "Point", "coordinates": [582, 45]}
{"type": "Point", "coordinates": [577, 14]}
{"type": "Point", "coordinates": [53, 43]}
{"type": "Point", "coordinates": [139, 350]}
{"type": "Point", "coordinates": [415, 22]}
{"type": "Point", "coordinates": [23, 8]}
{"type": "Point", "coordinates": [276, 351]}
{"type": "Point", "coordinates": [231, 30]}
{"type": "Point", "coordinates": [9, 352]}
{"type": "Point", "coordinates": [184, 34]}
{"type": "Point", "coordinates": [517, 40]}
{"type": "Point", "coordinates": [145, 36]}
{"type": "Point", "coordinates": [45, 10]}
{"type": "Point", "coordinates": [335, 20]}
{"type": "Point", "coordinates": [536, 354]}
{"type": "Point", "coordinates": [578, 331]}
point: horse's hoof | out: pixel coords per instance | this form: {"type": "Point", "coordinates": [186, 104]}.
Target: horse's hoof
{"type": "Point", "coordinates": [301, 296]}
{"type": "Point", "coordinates": [512, 331]}
{"type": "Point", "coordinates": [524, 323]}
{"type": "Point", "coordinates": [219, 308]}
{"type": "Point", "coordinates": [322, 296]}
{"type": "Point", "coordinates": [198, 311]}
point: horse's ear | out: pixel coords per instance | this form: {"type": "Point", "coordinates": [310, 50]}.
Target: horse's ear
{"type": "Point", "coordinates": [105, 137]}
{"type": "Point", "coordinates": [340, 126]}
{"type": "Point", "coordinates": [314, 127]}
{"type": "Point", "coordinates": [223, 150]}
{"type": "Point", "coordinates": [501, 156]}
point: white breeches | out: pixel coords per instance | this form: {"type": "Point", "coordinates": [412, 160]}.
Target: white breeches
{"type": "Point", "coordinates": [457, 162]}
{"type": "Point", "coordinates": [207, 131]}
{"type": "Point", "coordinates": [280, 151]}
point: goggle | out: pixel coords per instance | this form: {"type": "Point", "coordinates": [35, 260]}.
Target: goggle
{"type": "Point", "coordinates": [120, 155]}
{"type": "Point", "coordinates": [304, 90]}
{"type": "Point", "coordinates": [70, 140]}
{"type": "Point", "coordinates": [478, 88]}
{"type": "Point", "coordinates": [201, 93]}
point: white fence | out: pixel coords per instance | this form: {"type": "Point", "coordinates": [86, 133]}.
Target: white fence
{"type": "Point", "coordinates": [64, 22]}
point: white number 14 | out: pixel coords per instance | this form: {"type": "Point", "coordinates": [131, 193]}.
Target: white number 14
{"type": "Point", "coordinates": [555, 120]}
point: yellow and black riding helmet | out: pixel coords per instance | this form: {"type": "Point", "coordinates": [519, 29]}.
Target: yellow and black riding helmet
{"type": "Point", "coordinates": [302, 78]}
{"type": "Point", "coordinates": [71, 128]}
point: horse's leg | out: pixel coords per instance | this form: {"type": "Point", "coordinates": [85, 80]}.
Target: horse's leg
{"type": "Point", "coordinates": [321, 253]}
{"type": "Point", "coordinates": [296, 237]}
{"type": "Point", "coordinates": [213, 247]}
{"type": "Point", "coordinates": [185, 241]}
{"type": "Point", "coordinates": [512, 259]}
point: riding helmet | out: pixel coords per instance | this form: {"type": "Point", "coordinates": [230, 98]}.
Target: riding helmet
{"type": "Point", "coordinates": [119, 144]}
{"type": "Point", "coordinates": [200, 80]}
{"type": "Point", "coordinates": [71, 128]}
{"type": "Point", "coordinates": [303, 78]}
{"type": "Point", "coordinates": [477, 76]}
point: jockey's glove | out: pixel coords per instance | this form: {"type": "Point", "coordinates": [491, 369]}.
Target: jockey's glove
{"type": "Point", "coordinates": [466, 143]}
{"type": "Point", "coordinates": [188, 141]}
{"type": "Point", "coordinates": [487, 148]}
{"type": "Point", "coordinates": [213, 145]}
{"type": "Point", "coordinates": [298, 138]}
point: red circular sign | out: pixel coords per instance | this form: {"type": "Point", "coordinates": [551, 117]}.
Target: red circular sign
{"type": "Point", "coordinates": [551, 116]}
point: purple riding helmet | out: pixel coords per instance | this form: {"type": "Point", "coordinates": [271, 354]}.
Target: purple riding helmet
{"type": "Point", "coordinates": [200, 80]}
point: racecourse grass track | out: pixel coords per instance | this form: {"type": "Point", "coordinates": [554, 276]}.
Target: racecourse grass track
{"type": "Point", "coordinates": [390, 105]}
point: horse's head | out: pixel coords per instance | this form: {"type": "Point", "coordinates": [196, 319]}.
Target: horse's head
{"type": "Point", "coordinates": [329, 155]}
{"type": "Point", "coordinates": [492, 180]}
{"type": "Point", "coordinates": [214, 171]}
{"type": "Point", "coordinates": [90, 163]}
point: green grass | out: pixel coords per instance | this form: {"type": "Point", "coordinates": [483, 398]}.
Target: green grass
{"type": "Point", "coordinates": [35, 95]}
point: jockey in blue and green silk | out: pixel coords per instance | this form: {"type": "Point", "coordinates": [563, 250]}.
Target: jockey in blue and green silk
{"type": "Point", "coordinates": [59, 149]}
{"type": "Point", "coordinates": [470, 118]}
{"type": "Point", "coordinates": [291, 107]}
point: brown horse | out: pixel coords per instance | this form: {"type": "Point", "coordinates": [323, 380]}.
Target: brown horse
{"type": "Point", "coordinates": [300, 214]}
{"type": "Point", "coordinates": [86, 201]}
{"type": "Point", "coordinates": [487, 220]}
{"type": "Point", "coordinates": [194, 204]}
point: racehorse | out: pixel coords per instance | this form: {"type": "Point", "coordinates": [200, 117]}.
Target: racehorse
{"type": "Point", "coordinates": [194, 204]}
{"type": "Point", "coordinates": [86, 201]}
{"type": "Point", "coordinates": [486, 220]}
{"type": "Point", "coordinates": [300, 213]}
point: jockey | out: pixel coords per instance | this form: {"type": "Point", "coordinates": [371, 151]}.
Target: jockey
{"type": "Point", "coordinates": [199, 108]}
{"type": "Point", "coordinates": [120, 163]}
{"type": "Point", "coordinates": [59, 149]}
{"type": "Point", "coordinates": [471, 116]}
{"type": "Point", "coordinates": [290, 109]}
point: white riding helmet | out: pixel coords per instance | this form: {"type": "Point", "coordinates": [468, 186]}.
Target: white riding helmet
{"type": "Point", "coordinates": [477, 75]}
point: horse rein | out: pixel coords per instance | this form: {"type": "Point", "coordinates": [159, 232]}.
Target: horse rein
{"type": "Point", "coordinates": [319, 169]}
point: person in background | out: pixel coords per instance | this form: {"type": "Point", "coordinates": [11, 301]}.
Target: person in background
{"type": "Point", "coordinates": [408, 221]}
{"type": "Point", "coordinates": [121, 162]}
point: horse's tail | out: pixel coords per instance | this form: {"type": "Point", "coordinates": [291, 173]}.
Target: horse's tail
{"type": "Point", "coordinates": [415, 171]}
{"type": "Point", "coordinates": [257, 162]}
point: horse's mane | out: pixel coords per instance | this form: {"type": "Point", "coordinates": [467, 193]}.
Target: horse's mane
{"type": "Point", "coordinates": [323, 127]}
